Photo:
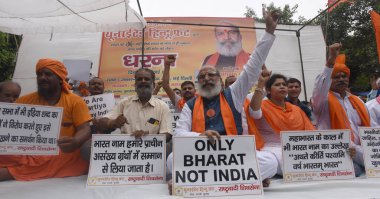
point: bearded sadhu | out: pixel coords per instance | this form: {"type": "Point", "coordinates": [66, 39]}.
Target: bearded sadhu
{"type": "Point", "coordinates": [53, 90]}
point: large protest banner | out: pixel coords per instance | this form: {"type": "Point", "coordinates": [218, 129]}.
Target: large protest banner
{"type": "Point", "coordinates": [29, 129]}
{"type": "Point", "coordinates": [316, 155]}
{"type": "Point", "coordinates": [121, 51]}
{"type": "Point", "coordinates": [99, 105]}
{"type": "Point", "coordinates": [370, 142]}
{"type": "Point", "coordinates": [227, 167]}
{"type": "Point", "coordinates": [124, 160]}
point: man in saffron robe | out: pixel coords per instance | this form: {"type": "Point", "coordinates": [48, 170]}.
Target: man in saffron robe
{"type": "Point", "coordinates": [53, 90]}
{"type": "Point", "coordinates": [215, 111]}
{"type": "Point", "coordinates": [334, 107]}
{"type": "Point", "coordinates": [230, 53]}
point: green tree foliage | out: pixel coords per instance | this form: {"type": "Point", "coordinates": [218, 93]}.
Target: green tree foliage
{"type": "Point", "coordinates": [287, 14]}
{"type": "Point", "coordinates": [8, 51]}
{"type": "Point", "coordinates": [350, 24]}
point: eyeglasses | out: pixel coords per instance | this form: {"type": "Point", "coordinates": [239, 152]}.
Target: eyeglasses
{"type": "Point", "coordinates": [211, 74]}
{"type": "Point", "coordinates": [228, 32]}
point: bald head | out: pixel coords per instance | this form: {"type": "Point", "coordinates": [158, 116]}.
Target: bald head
{"type": "Point", "coordinates": [9, 91]}
{"type": "Point", "coordinates": [96, 86]}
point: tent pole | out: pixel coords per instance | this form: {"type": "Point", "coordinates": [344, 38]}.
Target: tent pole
{"type": "Point", "coordinates": [298, 34]}
{"type": "Point", "coordinates": [143, 39]}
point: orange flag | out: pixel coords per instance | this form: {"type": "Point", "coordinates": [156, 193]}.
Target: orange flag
{"type": "Point", "coordinates": [376, 26]}
{"type": "Point", "coordinates": [330, 2]}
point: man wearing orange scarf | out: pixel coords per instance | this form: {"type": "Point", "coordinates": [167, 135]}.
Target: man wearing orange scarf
{"type": "Point", "coordinates": [187, 87]}
{"type": "Point", "coordinates": [334, 107]}
{"type": "Point", "coordinates": [215, 111]}
{"type": "Point", "coordinates": [53, 90]}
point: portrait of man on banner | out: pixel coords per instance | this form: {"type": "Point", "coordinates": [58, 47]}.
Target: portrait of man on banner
{"type": "Point", "coordinates": [230, 55]}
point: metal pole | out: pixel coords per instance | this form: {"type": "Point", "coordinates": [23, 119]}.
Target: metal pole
{"type": "Point", "coordinates": [143, 39]}
{"type": "Point", "coordinates": [212, 25]}
{"type": "Point", "coordinates": [307, 23]}
{"type": "Point", "coordinates": [298, 34]}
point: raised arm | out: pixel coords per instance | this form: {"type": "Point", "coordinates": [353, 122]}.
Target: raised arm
{"type": "Point", "coordinates": [257, 97]}
{"type": "Point", "coordinates": [323, 81]}
{"type": "Point", "coordinates": [166, 77]}
{"type": "Point", "coordinates": [251, 71]}
{"type": "Point", "coordinates": [157, 88]}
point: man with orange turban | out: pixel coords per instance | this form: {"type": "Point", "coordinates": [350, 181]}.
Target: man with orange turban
{"type": "Point", "coordinates": [53, 90]}
{"type": "Point", "coordinates": [336, 108]}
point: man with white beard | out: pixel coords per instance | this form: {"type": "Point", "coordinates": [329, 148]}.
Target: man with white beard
{"type": "Point", "coordinates": [230, 53]}
{"type": "Point", "coordinates": [140, 114]}
{"type": "Point", "coordinates": [216, 112]}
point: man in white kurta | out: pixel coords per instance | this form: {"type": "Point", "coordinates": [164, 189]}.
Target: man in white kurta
{"type": "Point", "coordinates": [373, 107]}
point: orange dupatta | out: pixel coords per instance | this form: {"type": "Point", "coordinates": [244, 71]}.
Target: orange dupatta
{"type": "Point", "coordinates": [241, 59]}
{"type": "Point", "coordinates": [290, 119]}
{"type": "Point", "coordinates": [199, 124]}
{"type": "Point", "coordinates": [338, 116]}
{"type": "Point", "coordinates": [181, 103]}
{"type": "Point", "coordinates": [252, 130]}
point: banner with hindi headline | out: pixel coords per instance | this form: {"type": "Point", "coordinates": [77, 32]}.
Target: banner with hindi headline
{"type": "Point", "coordinates": [316, 155]}
{"type": "Point", "coordinates": [119, 159]}
{"type": "Point", "coordinates": [227, 167]}
{"type": "Point", "coordinates": [99, 105]}
{"type": "Point", "coordinates": [29, 129]}
{"type": "Point", "coordinates": [121, 52]}
{"type": "Point", "coordinates": [370, 142]}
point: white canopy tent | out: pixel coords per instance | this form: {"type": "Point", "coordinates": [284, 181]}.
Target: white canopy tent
{"type": "Point", "coordinates": [67, 16]}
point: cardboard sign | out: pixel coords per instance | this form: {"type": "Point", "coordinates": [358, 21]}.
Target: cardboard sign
{"type": "Point", "coordinates": [316, 155]}
{"type": "Point", "coordinates": [124, 160]}
{"type": "Point", "coordinates": [370, 141]}
{"type": "Point", "coordinates": [29, 129]}
{"type": "Point", "coordinates": [99, 105]}
{"type": "Point", "coordinates": [227, 167]}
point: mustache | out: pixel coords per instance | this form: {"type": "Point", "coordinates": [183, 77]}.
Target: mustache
{"type": "Point", "coordinates": [342, 83]}
{"type": "Point", "coordinates": [228, 41]}
{"type": "Point", "coordinates": [43, 82]}
{"type": "Point", "coordinates": [207, 83]}
{"type": "Point", "coordinates": [143, 86]}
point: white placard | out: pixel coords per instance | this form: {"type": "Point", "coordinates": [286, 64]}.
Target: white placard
{"type": "Point", "coordinates": [99, 105]}
{"type": "Point", "coordinates": [370, 141]}
{"type": "Point", "coordinates": [227, 168]}
{"type": "Point", "coordinates": [78, 69]}
{"type": "Point", "coordinates": [175, 112]}
{"type": "Point", "coordinates": [124, 160]}
{"type": "Point", "coordinates": [316, 155]}
{"type": "Point", "coordinates": [29, 129]}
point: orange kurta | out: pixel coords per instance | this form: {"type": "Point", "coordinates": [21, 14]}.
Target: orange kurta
{"type": "Point", "coordinates": [33, 167]}
{"type": "Point", "coordinates": [290, 119]}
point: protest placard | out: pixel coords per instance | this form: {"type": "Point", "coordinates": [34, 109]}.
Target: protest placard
{"type": "Point", "coordinates": [370, 141]}
{"type": "Point", "coordinates": [99, 105]}
{"type": "Point", "coordinates": [29, 129]}
{"type": "Point", "coordinates": [316, 155]}
{"type": "Point", "coordinates": [124, 160]}
{"type": "Point", "coordinates": [227, 167]}
{"type": "Point", "coordinates": [175, 112]}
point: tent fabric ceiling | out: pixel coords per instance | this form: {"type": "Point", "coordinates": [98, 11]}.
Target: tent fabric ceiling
{"type": "Point", "coordinates": [67, 16]}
